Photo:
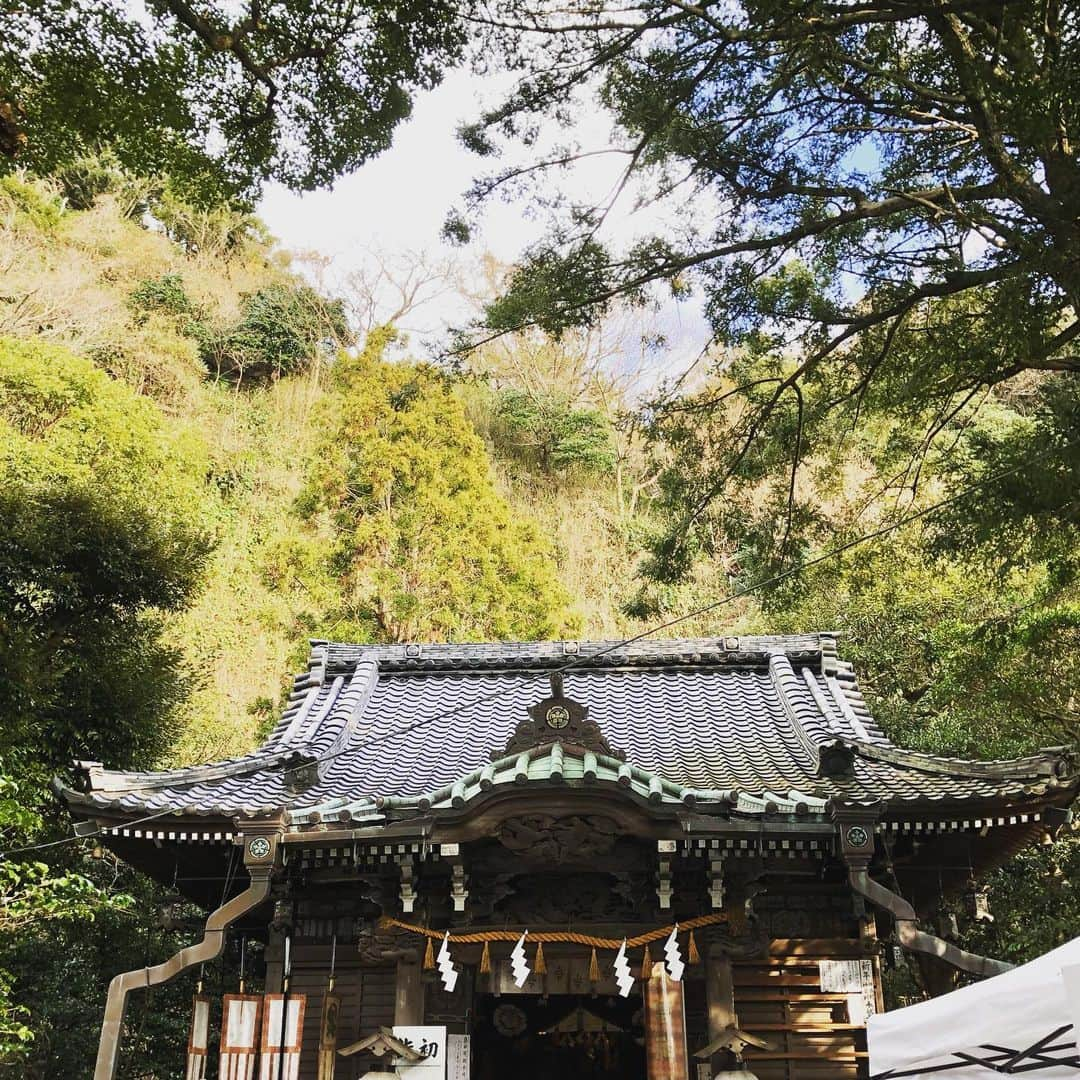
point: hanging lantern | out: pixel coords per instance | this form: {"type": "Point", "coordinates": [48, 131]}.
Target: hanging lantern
{"type": "Point", "coordinates": [977, 900]}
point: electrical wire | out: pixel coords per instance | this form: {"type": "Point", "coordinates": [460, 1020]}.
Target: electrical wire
{"type": "Point", "coordinates": [614, 646]}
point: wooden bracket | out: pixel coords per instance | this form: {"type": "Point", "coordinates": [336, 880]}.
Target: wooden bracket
{"type": "Point", "coordinates": [458, 882]}
{"type": "Point", "coordinates": [663, 884]}
{"type": "Point", "coordinates": [407, 889]}
{"type": "Point", "coordinates": [716, 882]}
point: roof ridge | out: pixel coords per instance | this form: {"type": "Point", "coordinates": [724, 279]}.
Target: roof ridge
{"type": "Point", "coordinates": [720, 650]}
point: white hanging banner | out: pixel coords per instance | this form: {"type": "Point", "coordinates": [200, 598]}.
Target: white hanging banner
{"type": "Point", "coordinates": [458, 1057]}
{"type": "Point", "coordinates": [239, 1036]}
{"type": "Point", "coordinates": [198, 1039]}
{"type": "Point", "coordinates": [281, 1036]}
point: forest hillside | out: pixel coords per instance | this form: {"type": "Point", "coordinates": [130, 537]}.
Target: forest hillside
{"type": "Point", "coordinates": [205, 464]}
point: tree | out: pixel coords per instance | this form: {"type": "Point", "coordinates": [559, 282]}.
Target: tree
{"type": "Point", "coordinates": [877, 204]}
{"type": "Point", "coordinates": [282, 330]}
{"type": "Point", "coordinates": [424, 547]}
{"type": "Point", "coordinates": [220, 97]}
{"type": "Point", "coordinates": [104, 526]}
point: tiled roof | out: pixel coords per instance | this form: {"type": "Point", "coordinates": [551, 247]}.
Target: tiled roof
{"type": "Point", "coordinates": [743, 722]}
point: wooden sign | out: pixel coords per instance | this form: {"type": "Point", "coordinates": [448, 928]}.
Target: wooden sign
{"type": "Point", "coordinates": [282, 1032]}
{"type": "Point", "coordinates": [239, 1036]}
{"type": "Point", "coordinates": [665, 1027]}
{"type": "Point", "coordinates": [198, 1039]}
{"type": "Point", "coordinates": [328, 1036]}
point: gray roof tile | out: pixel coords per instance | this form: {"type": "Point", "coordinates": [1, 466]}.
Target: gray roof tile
{"type": "Point", "coordinates": [745, 717]}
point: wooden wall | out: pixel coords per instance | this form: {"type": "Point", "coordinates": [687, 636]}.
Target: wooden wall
{"type": "Point", "coordinates": [811, 1032]}
{"type": "Point", "coordinates": [778, 998]}
{"type": "Point", "coordinates": [367, 1003]}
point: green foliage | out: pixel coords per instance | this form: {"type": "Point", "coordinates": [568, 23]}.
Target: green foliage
{"type": "Point", "coordinates": [85, 179]}
{"type": "Point", "coordinates": [103, 525]}
{"type": "Point", "coordinates": [220, 229]}
{"type": "Point", "coordinates": [59, 970]}
{"type": "Point", "coordinates": [31, 202]}
{"type": "Point", "coordinates": [424, 548]}
{"type": "Point", "coordinates": [874, 207]}
{"type": "Point", "coordinates": [1034, 901]}
{"type": "Point", "coordinates": [300, 92]}
{"type": "Point", "coordinates": [554, 292]}
{"type": "Point", "coordinates": [282, 330]}
{"type": "Point", "coordinates": [551, 435]}
{"type": "Point", "coordinates": [34, 898]}
{"type": "Point", "coordinates": [165, 294]}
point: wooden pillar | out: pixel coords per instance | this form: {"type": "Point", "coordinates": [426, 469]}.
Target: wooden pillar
{"type": "Point", "coordinates": [665, 1027]}
{"type": "Point", "coordinates": [409, 997]}
{"type": "Point", "coordinates": [275, 959]}
{"type": "Point", "coordinates": [719, 999]}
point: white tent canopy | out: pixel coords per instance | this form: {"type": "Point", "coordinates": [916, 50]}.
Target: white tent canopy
{"type": "Point", "coordinates": [1027, 1020]}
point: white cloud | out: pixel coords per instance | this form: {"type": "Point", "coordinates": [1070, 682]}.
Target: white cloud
{"type": "Point", "coordinates": [398, 203]}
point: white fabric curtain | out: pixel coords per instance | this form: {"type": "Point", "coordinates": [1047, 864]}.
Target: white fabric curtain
{"type": "Point", "coordinates": [1012, 1012]}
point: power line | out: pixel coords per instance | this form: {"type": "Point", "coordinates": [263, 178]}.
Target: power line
{"type": "Point", "coordinates": [704, 609]}
{"type": "Point", "coordinates": [614, 646]}
{"type": "Point", "coordinates": [80, 836]}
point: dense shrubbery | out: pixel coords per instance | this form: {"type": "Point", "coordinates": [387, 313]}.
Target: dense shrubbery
{"type": "Point", "coordinates": [551, 434]}
{"type": "Point", "coordinates": [105, 526]}
{"type": "Point", "coordinates": [282, 330]}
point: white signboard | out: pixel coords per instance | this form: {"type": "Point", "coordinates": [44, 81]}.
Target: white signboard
{"type": "Point", "coordinates": [457, 1057]}
{"type": "Point", "coordinates": [855, 978]}
{"type": "Point", "coordinates": [426, 1040]}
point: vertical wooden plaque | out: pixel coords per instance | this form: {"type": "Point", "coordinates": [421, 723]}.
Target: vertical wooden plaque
{"type": "Point", "coordinates": [328, 1035]}
{"type": "Point", "coordinates": [665, 1027]}
{"type": "Point", "coordinates": [239, 1036]}
{"type": "Point", "coordinates": [198, 1039]}
{"type": "Point", "coordinates": [280, 1043]}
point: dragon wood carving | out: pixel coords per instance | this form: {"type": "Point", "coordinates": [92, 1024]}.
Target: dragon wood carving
{"type": "Point", "coordinates": [543, 838]}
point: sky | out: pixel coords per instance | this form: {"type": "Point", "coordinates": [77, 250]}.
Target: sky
{"type": "Point", "coordinates": [396, 206]}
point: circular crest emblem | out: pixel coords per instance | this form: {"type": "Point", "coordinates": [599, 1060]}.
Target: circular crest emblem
{"type": "Point", "coordinates": [857, 836]}
{"type": "Point", "coordinates": [557, 717]}
{"type": "Point", "coordinates": [509, 1020]}
{"type": "Point", "coordinates": [259, 847]}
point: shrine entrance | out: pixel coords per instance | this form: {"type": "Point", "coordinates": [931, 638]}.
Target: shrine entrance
{"type": "Point", "coordinates": [564, 1036]}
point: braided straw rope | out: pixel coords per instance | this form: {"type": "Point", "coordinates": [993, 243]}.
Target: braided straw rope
{"type": "Point", "coordinates": [556, 935]}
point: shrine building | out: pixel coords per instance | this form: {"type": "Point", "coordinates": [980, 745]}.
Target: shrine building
{"type": "Point", "coordinates": [665, 860]}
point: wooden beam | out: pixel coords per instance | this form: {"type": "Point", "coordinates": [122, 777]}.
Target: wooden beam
{"type": "Point", "coordinates": [719, 996]}
{"type": "Point", "coordinates": [409, 996]}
